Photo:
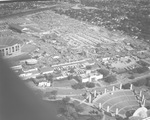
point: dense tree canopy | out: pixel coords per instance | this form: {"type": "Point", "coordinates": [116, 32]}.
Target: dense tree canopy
{"type": "Point", "coordinates": [110, 79]}
{"type": "Point", "coordinates": [90, 85]}
{"type": "Point", "coordinates": [104, 72]}
{"type": "Point", "coordinates": [142, 82]}
{"type": "Point", "coordinates": [126, 86]}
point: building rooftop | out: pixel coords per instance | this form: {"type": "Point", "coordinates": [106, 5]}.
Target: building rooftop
{"type": "Point", "coordinates": [5, 42]}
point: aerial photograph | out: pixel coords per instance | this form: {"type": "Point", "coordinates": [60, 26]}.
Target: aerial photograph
{"type": "Point", "coordinates": [75, 60]}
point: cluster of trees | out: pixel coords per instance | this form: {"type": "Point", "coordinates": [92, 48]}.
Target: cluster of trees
{"type": "Point", "coordinates": [138, 83]}
{"type": "Point", "coordinates": [77, 78]}
{"type": "Point", "coordinates": [49, 78]}
{"type": "Point", "coordinates": [70, 109]}
{"type": "Point", "coordinates": [110, 79]}
{"type": "Point", "coordinates": [129, 113]}
{"type": "Point", "coordinates": [140, 70]}
{"type": "Point", "coordinates": [96, 117]}
{"type": "Point", "coordinates": [142, 63]}
{"type": "Point", "coordinates": [81, 85]}
{"type": "Point", "coordinates": [120, 118]}
{"type": "Point", "coordinates": [104, 72]}
{"type": "Point", "coordinates": [126, 86]}
{"type": "Point", "coordinates": [90, 84]}
{"type": "Point", "coordinates": [142, 82]}
{"type": "Point", "coordinates": [78, 85]}
{"type": "Point", "coordinates": [107, 77]}
{"type": "Point", "coordinates": [88, 67]}
{"type": "Point", "coordinates": [70, 77]}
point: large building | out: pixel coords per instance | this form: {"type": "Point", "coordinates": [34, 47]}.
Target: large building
{"type": "Point", "coordinates": [10, 47]}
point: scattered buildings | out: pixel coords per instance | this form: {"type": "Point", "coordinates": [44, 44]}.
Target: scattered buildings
{"type": "Point", "coordinates": [68, 47]}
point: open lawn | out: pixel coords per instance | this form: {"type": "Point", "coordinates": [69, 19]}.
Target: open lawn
{"type": "Point", "coordinates": [63, 91]}
{"type": "Point", "coordinates": [64, 83]}
{"type": "Point", "coordinates": [28, 48]}
{"type": "Point", "coordinates": [79, 97]}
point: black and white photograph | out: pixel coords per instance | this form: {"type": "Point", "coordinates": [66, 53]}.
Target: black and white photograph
{"type": "Point", "coordinates": [74, 59]}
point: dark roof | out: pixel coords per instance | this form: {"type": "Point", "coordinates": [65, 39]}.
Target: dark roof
{"type": "Point", "coordinates": [5, 42]}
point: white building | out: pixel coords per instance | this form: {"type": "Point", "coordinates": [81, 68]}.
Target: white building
{"type": "Point", "coordinates": [44, 84]}
{"type": "Point", "coordinates": [91, 78]}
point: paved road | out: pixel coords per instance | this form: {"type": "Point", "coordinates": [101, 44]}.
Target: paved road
{"type": "Point", "coordinates": [20, 14]}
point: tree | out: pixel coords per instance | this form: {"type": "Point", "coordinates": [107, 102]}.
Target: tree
{"type": "Point", "coordinates": [140, 69]}
{"type": "Point", "coordinates": [91, 118]}
{"type": "Point", "coordinates": [66, 100]}
{"type": "Point", "coordinates": [96, 117]}
{"type": "Point", "coordinates": [71, 70]}
{"type": "Point", "coordinates": [129, 113]}
{"type": "Point", "coordinates": [70, 112]}
{"type": "Point", "coordinates": [148, 107]}
{"type": "Point", "coordinates": [54, 93]}
{"type": "Point", "coordinates": [110, 79]}
{"type": "Point", "coordinates": [126, 86]}
{"type": "Point", "coordinates": [135, 118]}
{"type": "Point", "coordinates": [77, 106]}
{"type": "Point", "coordinates": [75, 115]}
{"type": "Point", "coordinates": [88, 67]}
{"type": "Point", "coordinates": [90, 85]}
{"type": "Point", "coordinates": [78, 86]}
{"type": "Point", "coordinates": [118, 117]}
{"type": "Point", "coordinates": [62, 110]}
{"type": "Point", "coordinates": [104, 72]}
{"type": "Point", "coordinates": [140, 82]}
{"type": "Point", "coordinates": [49, 78]}
{"type": "Point", "coordinates": [148, 82]}
{"type": "Point", "coordinates": [70, 77]}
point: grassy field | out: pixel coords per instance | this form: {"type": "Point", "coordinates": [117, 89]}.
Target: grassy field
{"type": "Point", "coordinates": [64, 83]}
{"type": "Point", "coordinates": [28, 48]}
